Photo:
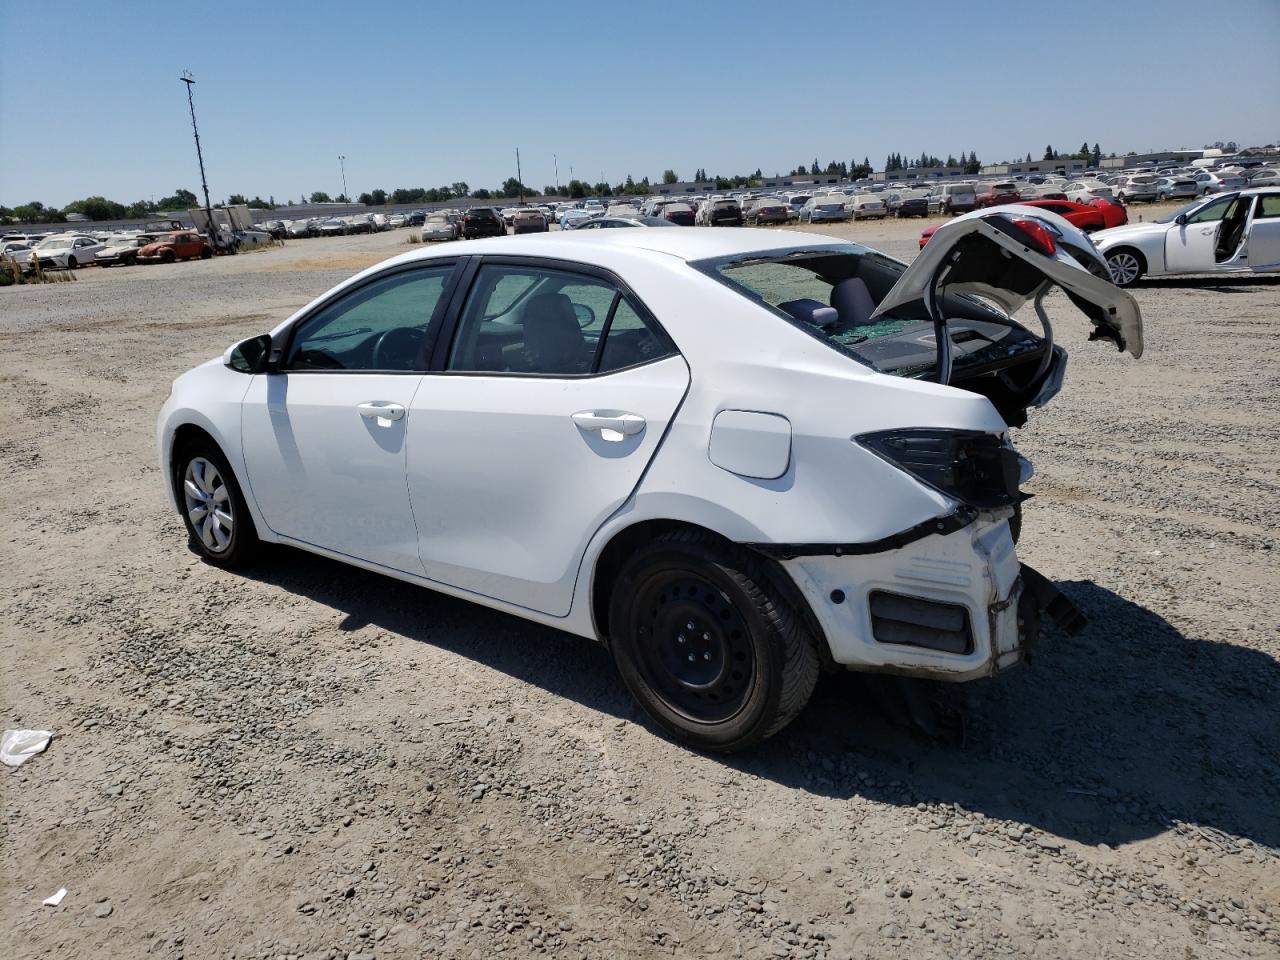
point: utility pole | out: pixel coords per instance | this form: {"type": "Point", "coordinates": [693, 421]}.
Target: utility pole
{"type": "Point", "coordinates": [214, 236]}
{"type": "Point", "coordinates": [556, 161]}
{"type": "Point", "coordinates": [342, 162]}
{"type": "Point", "coordinates": [519, 177]}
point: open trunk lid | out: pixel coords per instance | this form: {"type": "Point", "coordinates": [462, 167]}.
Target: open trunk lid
{"type": "Point", "coordinates": [1011, 257]}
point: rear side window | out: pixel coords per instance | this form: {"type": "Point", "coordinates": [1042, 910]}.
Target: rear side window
{"type": "Point", "coordinates": [540, 321]}
{"type": "Point", "coordinates": [1269, 205]}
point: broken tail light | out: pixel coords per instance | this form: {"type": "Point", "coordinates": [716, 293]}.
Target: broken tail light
{"type": "Point", "coordinates": [1038, 235]}
{"type": "Point", "coordinates": [970, 466]}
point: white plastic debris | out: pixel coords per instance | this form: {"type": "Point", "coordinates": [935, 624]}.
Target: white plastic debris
{"type": "Point", "coordinates": [19, 746]}
{"type": "Point", "coordinates": [55, 899]}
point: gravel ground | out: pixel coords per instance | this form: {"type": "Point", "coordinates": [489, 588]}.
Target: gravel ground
{"type": "Point", "coordinates": [313, 761]}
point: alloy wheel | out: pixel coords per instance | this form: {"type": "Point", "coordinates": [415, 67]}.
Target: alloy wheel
{"type": "Point", "coordinates": [1124, 268]}
{"type": "Point", "coordinates": [209, 505]}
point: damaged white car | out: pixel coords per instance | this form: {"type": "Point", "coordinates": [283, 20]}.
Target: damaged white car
{"type": "Point", "coordinates": [732, 456]}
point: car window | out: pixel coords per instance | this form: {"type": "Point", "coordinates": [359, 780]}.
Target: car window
{"type": "Point", "coordinates": [1212, 212]}
{"type": "Point", "coordinates": [380, 326]}
{"type": "Point", "coordinates": [1269, 205]}
{"type": "Point", "coordinates": [631, 340]}
{"type": "Point", "coordinates": [553, 327]}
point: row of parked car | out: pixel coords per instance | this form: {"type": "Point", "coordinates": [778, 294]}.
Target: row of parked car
{"type": "Point", "coordinates": [70, 251]}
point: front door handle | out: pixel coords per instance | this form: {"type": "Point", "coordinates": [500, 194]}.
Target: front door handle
{"type": "Point", "coordinates": [613, 425]}
{"type": "Point", "coordinates": [381, 410]}
{"type": "Point", "coordinates": [1208, 231]}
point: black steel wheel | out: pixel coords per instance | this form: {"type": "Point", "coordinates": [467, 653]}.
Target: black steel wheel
{"type": "Point", "coordinates": [707, 644]}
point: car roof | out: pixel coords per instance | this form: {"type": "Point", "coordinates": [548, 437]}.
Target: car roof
{"type": "Point", "coordinates": [685, 243]}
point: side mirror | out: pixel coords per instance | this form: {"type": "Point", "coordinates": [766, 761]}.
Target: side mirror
{"type": "Point", "coordinates": [1180, 219]}
{"type": "Point", "coordinates": [249, 356]}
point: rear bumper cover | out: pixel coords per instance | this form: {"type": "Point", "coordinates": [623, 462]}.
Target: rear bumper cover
{"type": "Point", "coordinates": [974, 567]}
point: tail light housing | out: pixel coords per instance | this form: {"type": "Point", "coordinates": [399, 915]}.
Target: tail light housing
{"type": "Point", "coordinates": [976, 468]}
{"type": "Point", "coordinates": [1038, 235]}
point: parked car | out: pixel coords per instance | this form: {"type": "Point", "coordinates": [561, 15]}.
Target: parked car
{"type": "Point", "coordinates": [1082, 191]}
{"type": "Point", "coordinates": [573, 217]}
{"type": "Point", "coordinates": [303, 228]}
{"type": "Point", "coordinates": [438, 226]}
{"type": "Point", "coordinates": [912, 206]}
{"type": "Point", "coordinates": [14, 248]}
{"type": "Point", "coordinates": [396, 221]}
{"type": "Point", "coordinates": [276, 229]}
{"type": "Point", "coordinates": [122, 250]}
{"type": "Point", "coordinates": [1084, 216]}
{"type": "Point", "coordinates": [178, 245]}
{"type": "Point", "coordinates": [65, 250]}
{"type": "Point", "coordinates": [824, 210]}
{"type": "Point", "coordinates": [1138, 187]}
{"type": "Point", "coordinates": [720, 212]}
{"type": "Point", "coordinates": [952, 198]}
{"type": "Point", "coordinates": [607, 222]}
{"type": "Point", "coordinates": [1209, 182]}
{"type": "Point", "coordinates": [656, 487]}
{"type": "Point", "coordinates": [1113, 213]}
{"type": "Point", "coordinates": [483, 222]}
{"type": "Point", "coordinates": [509, 215]}
{"type": "Point", "coordinates": [417, 218]}
{"type": "Point", "coordinates": [766, 211]}
{"type": "Point", "coordinates": [529, 220]}
{"type": "Point", "coordinates": [333, 227]}
{"type": "Point", "coordinates": [681, 214]}
{"type": "Point", "coordinates": [1236, 232]}
{"type": "Point", "coordinates": [796, 201]}
{"type": "Point", "coordinates": [995, 194]}
{"type": "Point", "coordinates": [866, 206]}
{"type": "Point", "coordinates": [1177, 188]}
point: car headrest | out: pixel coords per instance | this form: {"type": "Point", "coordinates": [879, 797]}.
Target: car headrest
{"type": "Point", "coordinates": [811, 311]}
{"type": "Point", "coordinates": [553, 340]}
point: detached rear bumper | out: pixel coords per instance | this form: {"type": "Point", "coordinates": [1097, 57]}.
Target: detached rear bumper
{"type": "Point", "coordinates": [949, 605]}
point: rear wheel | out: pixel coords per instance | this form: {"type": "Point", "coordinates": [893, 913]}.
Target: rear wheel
{"type": "Point", "coordinates": [1127, 266]}
{"type": "Point", "coordinates": [213, 508]}
{"type": "Point", "coordinates": [707, 644]}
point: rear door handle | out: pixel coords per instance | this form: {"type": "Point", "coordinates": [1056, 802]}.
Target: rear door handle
{"type": "Point", "coordinates": [381, 410]}
{"type": "Point", "coordinates": [612, 425]}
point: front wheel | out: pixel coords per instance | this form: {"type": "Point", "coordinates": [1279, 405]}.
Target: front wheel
{"type": "Point", "coordinates": [213, 508]}
{"type": "Point", "coordinates": [1126, 266]}
{"type": "Point", "coordinates": [72, 263]}
{"type": "Point", "coordinates": [707, 643]}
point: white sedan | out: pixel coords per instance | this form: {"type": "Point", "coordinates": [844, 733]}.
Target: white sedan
{"type": "Point", "coordinates": [67, 250]}
{"type": "Point", "coordinates": [729, 455]}
{"type": "Point", "coordinates": [1235, 232]}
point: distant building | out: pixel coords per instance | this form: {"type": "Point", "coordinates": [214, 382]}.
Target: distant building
{"type": "Point", "coordinates": [1030, 167]}
{"type": "Point", "coordinates": [683, 186]}
{"type": "Point", "coordinates": [907, 174]}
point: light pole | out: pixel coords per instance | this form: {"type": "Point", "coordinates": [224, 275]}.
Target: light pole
{"type": "Point", "coordinates": [342, 164]}
{"type": "Point", "coordinates": [188, 79]}
{"type": "Point", "coordinates": [556, 161]}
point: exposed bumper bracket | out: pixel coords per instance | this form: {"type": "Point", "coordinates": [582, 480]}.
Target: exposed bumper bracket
{"type": "Point", "coordinates": [958, 519]}
{"type": "Point", "coordinates": [1053, 601]}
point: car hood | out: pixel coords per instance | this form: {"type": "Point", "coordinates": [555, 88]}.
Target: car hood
{"type": "Point", "coordinates": [1129, 231]}
{"type": "Point", "coordinates": [988, 255]}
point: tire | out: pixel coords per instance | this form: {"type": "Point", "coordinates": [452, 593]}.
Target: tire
{"type": "Point", "coordinates": [756, 664]}
{"type": "Point", "coordinates": [72, 263]}
{"type": "Point", "coordinates": [226, 543]}
{"type": "Point", "coordinates": [168, 256]}
{"type": "Point", "coordinates": [1127, 266]}
{"type": "Point", "coordinates": [205, 253]}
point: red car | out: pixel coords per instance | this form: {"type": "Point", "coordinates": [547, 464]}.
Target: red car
{"type": "Point", "coordinates": [179, 245]}
{"type": "Point", "coordinates": [995, 194]}
{"type": "Point", "coordinates": [1098, 215]}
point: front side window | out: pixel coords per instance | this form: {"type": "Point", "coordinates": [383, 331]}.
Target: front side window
{"type": "Point", "coordinates": [380, 326]}
{"type": "Point", "coordinates": [533, 320]}
{"type": "Point", "coordinates": [1211, 212]}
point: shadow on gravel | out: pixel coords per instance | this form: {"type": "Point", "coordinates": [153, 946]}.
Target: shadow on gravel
{"type": "Point", "coordinates": [1106, 737]}
{"type": "Point", "coordinates": [1211, 282]}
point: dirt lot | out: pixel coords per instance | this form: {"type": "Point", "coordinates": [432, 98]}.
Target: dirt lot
{"type": "Point", "coordinates": [309, 760]}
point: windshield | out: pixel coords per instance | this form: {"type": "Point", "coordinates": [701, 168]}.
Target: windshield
{"type": "Point", "coordinates": [848, 281]}
{"type": "Point", "coordinates": [54, 243]}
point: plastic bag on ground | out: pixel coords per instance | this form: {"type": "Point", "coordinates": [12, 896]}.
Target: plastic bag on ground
{"type": "Point", "coordinates": [19, 746]}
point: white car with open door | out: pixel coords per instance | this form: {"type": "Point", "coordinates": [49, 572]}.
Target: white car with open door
{"type": "Point", "coordinates": [733, 456]}
{"type": "Point", "coordinates": [1235, 232]}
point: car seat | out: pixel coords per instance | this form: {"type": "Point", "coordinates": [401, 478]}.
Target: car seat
{"type": "Point", "coordinates": [553, 339]}
{"type": "Point", "coordinates": [852, 301]}
{"type": "Point", "coordinates": [810, 311]}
